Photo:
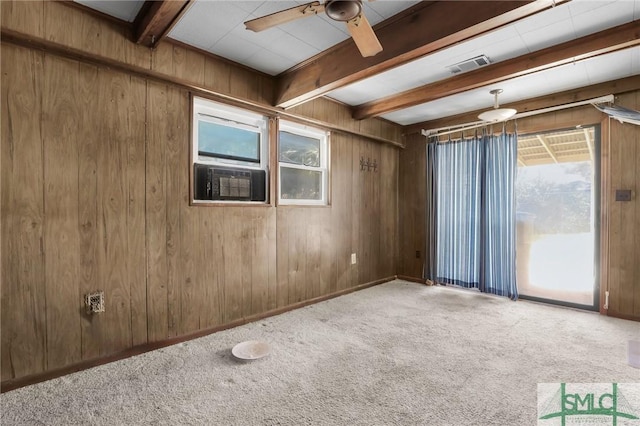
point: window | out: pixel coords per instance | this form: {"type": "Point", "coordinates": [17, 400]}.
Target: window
{"type": "Point", "coordinates": [303, 160]}
{"type": "Point", "coordinates": [230, 151]}
{"type": "Point", "coordinates": [228, 136]}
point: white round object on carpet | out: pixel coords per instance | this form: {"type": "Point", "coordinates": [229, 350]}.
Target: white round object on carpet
{"type": "Point", "coordinates": [251, 349]}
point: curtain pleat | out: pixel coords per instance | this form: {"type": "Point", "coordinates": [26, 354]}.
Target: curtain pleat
{"type": "Point", "coordinates": [499, 216]}
{"type": "Point", "coordinates": [428, 272]}
{"type": "Point", "coordinates": [471, 213]}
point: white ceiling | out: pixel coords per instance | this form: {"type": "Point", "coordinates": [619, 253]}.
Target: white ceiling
{"type": "Point", "coordinates": [217, 26]}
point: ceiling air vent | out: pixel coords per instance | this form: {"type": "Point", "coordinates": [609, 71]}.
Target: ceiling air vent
{"type": "Point", "coordinates": [469, 64]}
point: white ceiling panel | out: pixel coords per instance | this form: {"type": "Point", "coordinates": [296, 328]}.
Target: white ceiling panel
{"type": "Point", "coordinates": [235, 48]}
{"type": "Point", "coordinates": [549, 35]}
{"type": "Point", "coordinates": [293, 48]}
{"type": "Point", "coordinates": [269, 62]}
{"type": "Point", "coordinates": [620, 63]}
{"type": "Point", "coordinates": [125, 10]}
{"type": "Point", "coordinates": [387, 9]}
{"type": "Point", "coordinates": [307, 30]}
{"type": "Point", "coordinates": [605, 16]}
{"type": "Point", "coordinates": [196, 29]}
{"type": "Point", "coordinates": [551, 16]}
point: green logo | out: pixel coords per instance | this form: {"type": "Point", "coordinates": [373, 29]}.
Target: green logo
{"type": "Point", "coordinates": [591, 403]}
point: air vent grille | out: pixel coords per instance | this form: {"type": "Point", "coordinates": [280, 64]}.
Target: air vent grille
{"type": "Point", "coordinates": [469, 64]}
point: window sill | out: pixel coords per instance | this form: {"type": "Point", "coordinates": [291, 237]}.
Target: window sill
{"type": "Point", "coordinates": [202, 203]}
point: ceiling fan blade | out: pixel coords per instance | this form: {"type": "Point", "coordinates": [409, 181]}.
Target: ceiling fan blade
{"type": "Point", "coordinates": [363, 36]}
{"type": "Point", "coordinates": [284, 16]}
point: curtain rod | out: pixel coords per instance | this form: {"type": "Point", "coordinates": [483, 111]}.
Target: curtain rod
{"type": "Point", "coordinates": [475, 124]}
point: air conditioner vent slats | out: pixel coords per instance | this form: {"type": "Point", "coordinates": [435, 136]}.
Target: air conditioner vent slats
{"type": "Point", "coordinates": [469, 64]}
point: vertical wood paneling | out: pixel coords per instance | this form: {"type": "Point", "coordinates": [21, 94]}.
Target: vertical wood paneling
{"type": "Point", "coordinates": [412, 198]}
{"type": "Point", "coordinates": [342, 169]}
{"type": "Point", "coordinates": [297, 255]}
{"type": "Point", "coordinates": [84, 31]}
{"type": "Point", "coordinates": [174, 145]}
{"type": "Point", "coordinates": [162, 58]}
{"type": "Point", "coordinates": [636, 225]}
{"type": "Point", "coordinates": [282, 258]}
{"type": "Point", "coordinates": [23, 16]}
{"type": "Point", "coordinates": [247, 250]}
{"type": "Point", "coordinates": [193, 290]}
{"type": "Point", "coordinates": [210, 272]}
{"type": "Point", "coordinates": [61, 236]}
{"type": "Point", "coordinates": [261, 247]}
{"type": "Point", "coordinates": [313, 252]}
{"type": "Point", "coordinates": [233, 263]}
{"type": "Point", "coordinates": [356, 210]}
{"type": "Point", "coordinates": [22, 214]}
{"type": "Point", "coordinates": [114, 92]}
{"type": "Point", "coordinates": [272, 258]}
{"type": "Point", "coordinates": [136, 220]}
{"type": "Point", "coordinates": [388, 217]}
{"type": "Point", "coordinates": [624, 217]}
{"type": "Point", "coordinates": [156, 222]}
{"type": "Point", "coordinates": [88, 148]}
{"type": "Point", "coordinates": [217, 75]}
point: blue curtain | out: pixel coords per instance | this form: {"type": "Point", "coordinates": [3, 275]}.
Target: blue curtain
{"type": "Point", "coordinates": [471, 213]}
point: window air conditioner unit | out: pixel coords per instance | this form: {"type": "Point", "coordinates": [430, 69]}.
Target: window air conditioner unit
{"type": "Point", "coordinates": [228, 184]}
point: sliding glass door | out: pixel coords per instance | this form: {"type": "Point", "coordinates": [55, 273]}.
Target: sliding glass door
{"type": "Point", "coordinates": [557, 201]}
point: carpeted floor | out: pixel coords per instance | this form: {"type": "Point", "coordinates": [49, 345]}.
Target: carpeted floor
{"type": "Point", "coordinates": [395, 354]}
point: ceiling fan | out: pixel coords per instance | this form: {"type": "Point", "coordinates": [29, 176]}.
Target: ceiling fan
{"type": "Point", "coordinates": [349, 12]}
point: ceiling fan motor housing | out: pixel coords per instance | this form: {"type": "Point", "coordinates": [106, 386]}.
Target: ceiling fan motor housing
{"type": "Point", "coordinates": [343, 11]}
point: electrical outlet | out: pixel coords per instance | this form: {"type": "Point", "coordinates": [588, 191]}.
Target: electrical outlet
{"type": "Point", "coordinates": [353, 259]}
{"type": "Point", "coordinates": [94, 302]}
{"type": "Point", "coordinates": [623, 195]}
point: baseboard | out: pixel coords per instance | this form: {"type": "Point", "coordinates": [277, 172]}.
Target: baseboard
{"type": "Point", "coordinates": [9, 385]}
{"type": "Point", "coordinates": [615, 314]}
{"type": "Point", "coordinates": [413, 279]}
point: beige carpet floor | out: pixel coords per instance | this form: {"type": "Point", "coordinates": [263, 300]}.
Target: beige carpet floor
{"type": "Point", "coordinates": [395, 354]}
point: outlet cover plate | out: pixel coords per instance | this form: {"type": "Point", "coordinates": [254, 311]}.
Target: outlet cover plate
{"type": "Point", "coordinates": [623, 195]}
{"type": "Point", "coordinates": [353, 259]}
{"type": "Point", "coordinates": [95, 302]}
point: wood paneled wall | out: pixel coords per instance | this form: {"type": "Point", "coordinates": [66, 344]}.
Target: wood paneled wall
{"type": "Point", "coordinates": [623, 256]}
{"type": "Point", "coordinates": [95, 196]}
{"type": "Point", "coordinates": [620, 158]}
{"type": "Point", "coordinates": [412, 204]}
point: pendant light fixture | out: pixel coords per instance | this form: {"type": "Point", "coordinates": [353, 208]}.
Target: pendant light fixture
{"type": "Point", "coordinates": [497, 114]}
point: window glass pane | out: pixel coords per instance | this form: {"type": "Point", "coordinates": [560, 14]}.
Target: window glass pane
{"type": "Point", "coordinates": [218, 140]}
{"type": "Point", "coordinates": [302, 150]}
{"type": "Point", "coordinates": [296, 184]}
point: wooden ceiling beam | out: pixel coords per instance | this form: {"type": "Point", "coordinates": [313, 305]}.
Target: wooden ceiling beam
{"type": "Point", "coordinates": [587, 137]}
{"type": "Point", "coordinates": [422, 29]}
{"type": "Point", "coordinates": [547, 148]}
{"type": "Point", "coordinates": [623, 85]}
{"type": "Point", "coordinates": [607, 41]}
{"type": "Point", "coordinates": [155, 20]}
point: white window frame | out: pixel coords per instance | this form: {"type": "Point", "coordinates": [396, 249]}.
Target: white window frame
{"type": "Point", "coordinates": [215, 112]}
{"type": "Point", "coordinates": [313, 132]}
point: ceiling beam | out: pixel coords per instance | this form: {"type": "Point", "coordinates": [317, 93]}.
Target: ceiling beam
{"type": "Point", "coordinates": [607, 41]}
{"type": "Point", "coordinates": [587, 137]}
{"type": "Point", "coordinates": [623, 85]}
{"type": "Point", "coordinates": [422, 29]}
{"type": "Point", "coordinates": [155, 20]}
{"type": "Point", "coordinates": [546, 146]}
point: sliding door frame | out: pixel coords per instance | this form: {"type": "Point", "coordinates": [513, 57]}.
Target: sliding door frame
{"type": "Point", "coordinates": [598, 214]}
